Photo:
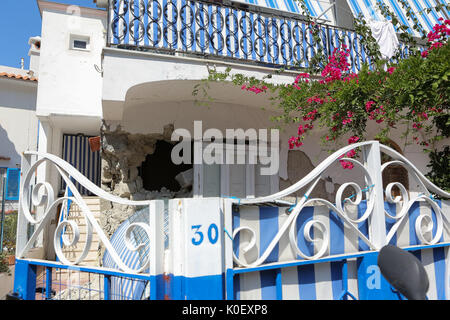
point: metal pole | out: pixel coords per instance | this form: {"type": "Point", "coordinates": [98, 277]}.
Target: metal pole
{"type": "Point", "coordinates": [3, 213]}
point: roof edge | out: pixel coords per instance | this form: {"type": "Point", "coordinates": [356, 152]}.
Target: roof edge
{"type": "Point", "coordinates": [68, 8]}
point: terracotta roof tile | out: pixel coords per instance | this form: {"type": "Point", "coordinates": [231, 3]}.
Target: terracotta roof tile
{"type": "Point", "coordinates": [17, 76]}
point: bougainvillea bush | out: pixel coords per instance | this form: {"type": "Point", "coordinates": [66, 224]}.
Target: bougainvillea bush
{"type": "Point", "coordinates": [412, 94]}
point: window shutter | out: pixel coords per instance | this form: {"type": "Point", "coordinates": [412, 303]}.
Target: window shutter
{"type": "Point", "coordinates": [12, 184]}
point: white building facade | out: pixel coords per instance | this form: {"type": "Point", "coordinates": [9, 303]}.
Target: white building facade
{"type": "Point", "coordinates": [18, 121]}
{"type": "Point", "coordinates": [115, 97]}
{"type": "Point", "coordinates": [127, 73]}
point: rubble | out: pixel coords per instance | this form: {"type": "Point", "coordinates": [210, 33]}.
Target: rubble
{"type": "Point", "coordinates": [122, 155]}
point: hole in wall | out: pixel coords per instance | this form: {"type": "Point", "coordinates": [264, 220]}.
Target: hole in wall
{"type": "Point", "coordinates": [158, 171]}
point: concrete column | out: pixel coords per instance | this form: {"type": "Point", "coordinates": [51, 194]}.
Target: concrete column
{"type": "Point", "coordinates": [377, 224]}
{"type": "Point", "coordinates": [196, 241]}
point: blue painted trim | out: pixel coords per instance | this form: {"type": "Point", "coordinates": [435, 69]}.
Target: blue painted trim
{"type": "Point", "coordinates": [371, 283]}
{"type": "Point", "coordinates": [343, 296]}
{"type": "Point", "coordinates": [306, 282]}
{"type": "Point", "coordinates": [13, 178]}
{"type": "Point", "coordinates": [107, 287]}
{"type": "Point", "coordinates": [109, 272]}
{"type": "Point", "coordinates": [439, 271]}
{"type": "Point", "coordinates": [25, 279]}
{"type": "Point", "coordinates": [229, 284]}
{"type": "Point", "coordinates": [198, 288]}
{"type": "Point", "coordinates": [360, 254]}
{"type": "Point", "coordinates": [279, 284]}
{"type": "Point", "coordinates": [48, 283]}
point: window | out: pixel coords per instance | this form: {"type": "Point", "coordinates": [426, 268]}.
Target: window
{"type": "Point", "coordinates": [234, 180]}
{"type": "Point", "coordinates": [12, 184]}
{"type": "Point", "coordinates": [78, 42]}
{"type": "Point", "coordinates": [2, 180]}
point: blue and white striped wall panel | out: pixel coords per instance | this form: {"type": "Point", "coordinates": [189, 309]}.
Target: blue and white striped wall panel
{"type": "Point", "coordinates": [323, 280]}
{"type": "Point", "coordinates": [77, 152]}
{"type": "Point", "coordinates": [126, 288]}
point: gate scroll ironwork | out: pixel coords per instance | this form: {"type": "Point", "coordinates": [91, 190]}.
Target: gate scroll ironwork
{"type": "Point", "coordinates": [317, 233]}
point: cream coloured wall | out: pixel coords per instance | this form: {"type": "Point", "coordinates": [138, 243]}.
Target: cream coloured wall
{"type": "Point", "coordinates": [18, 122]}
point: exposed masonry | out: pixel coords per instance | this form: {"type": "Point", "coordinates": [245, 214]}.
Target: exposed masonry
{"type": "Point", "coordinates": [298, 166]}
{"type": "Point", "coordinates": [122, 154]}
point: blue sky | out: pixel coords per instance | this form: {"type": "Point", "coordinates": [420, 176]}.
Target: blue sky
{"type": "Point", "coordinates": [20, 20]}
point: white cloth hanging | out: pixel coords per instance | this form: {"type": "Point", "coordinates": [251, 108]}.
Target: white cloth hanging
{"type": "Point", "coordinates": [384, 34]}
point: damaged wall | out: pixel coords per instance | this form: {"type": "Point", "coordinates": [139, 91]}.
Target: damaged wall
{"type": "Point", "coordinates": [298, 166]}
{"type": "Point", "coordinates": [122, 156]}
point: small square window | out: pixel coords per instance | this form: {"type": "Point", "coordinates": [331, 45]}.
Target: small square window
{"type": "Point", "coordinates": [79, 43]}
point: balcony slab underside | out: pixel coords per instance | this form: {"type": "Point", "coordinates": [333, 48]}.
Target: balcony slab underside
{"type": "Point", "coordinates": [134, 80]}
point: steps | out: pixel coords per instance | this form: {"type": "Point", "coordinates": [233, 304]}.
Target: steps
{"type": "Point", "coordinates": [75, 214]}
{"type": "Point", "coordinates": [74, 284]}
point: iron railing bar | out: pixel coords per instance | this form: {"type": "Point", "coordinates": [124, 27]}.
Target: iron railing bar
{"type": "Point", "coordinates": [98, 270]}
{"type": "Point", "coordinates": [278, 265]}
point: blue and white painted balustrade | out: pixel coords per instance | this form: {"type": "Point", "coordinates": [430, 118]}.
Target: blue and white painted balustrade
{"type": "Point", "coordinates": [227, 31]}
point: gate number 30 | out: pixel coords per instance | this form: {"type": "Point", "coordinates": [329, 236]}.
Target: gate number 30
{"type": "Point", "coordinates": [213, 234]}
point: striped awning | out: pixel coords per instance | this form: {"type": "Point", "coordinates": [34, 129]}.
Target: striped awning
{"type": "Point", "coordinates": [417, 9]}
{"type": "Point", "coordinates": [369, 9]}
{"type": "Point", "coordinates": [315, 7]}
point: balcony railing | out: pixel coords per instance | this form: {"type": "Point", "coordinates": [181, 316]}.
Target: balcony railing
{"type": "Point", "coordinates": [226, 31]}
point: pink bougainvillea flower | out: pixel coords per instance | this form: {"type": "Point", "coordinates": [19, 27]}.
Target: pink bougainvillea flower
{"type": "Point", "coordinates": [345, 121]}
{"type": "Point", "coordinates": [351, 153]}
{"type": "Point", "coordinates": [369, 105]}
{"type": "Point", "coordinates": [353, 139]}
{"type": "Point", "coordinates": [255, 89]}
{"type": "Point", "coordinates": [346, 164]}
{"type": "Point", "coordinates": [417, 126]}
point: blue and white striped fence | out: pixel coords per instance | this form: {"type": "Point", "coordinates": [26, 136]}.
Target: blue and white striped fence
{"type": "Point", "coordinates": [323, 279]}
{"type": "Point", "coordinates": [315, 249]}
{"type": "Point", "coordinates": [254, 248]}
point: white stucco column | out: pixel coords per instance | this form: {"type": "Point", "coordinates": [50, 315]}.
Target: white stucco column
{"type": "Point", "coordinates": [42, 172]}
